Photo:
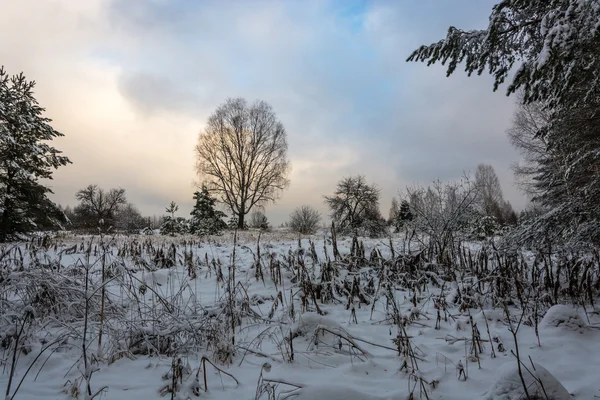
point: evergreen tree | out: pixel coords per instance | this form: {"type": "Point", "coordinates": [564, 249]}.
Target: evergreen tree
{"type": "Point", "coordinates": [233, 223]}
{"type": "Point", "coordinates": [402, 216]}
{"type": "Point", "coordinates": [554, 41]}
{"type": "Point", "coordinates": [172, 225]}
{"type": "Point", "coordinates": [206, 220]}
{"type": "Point", "coordinates": [25, 157]}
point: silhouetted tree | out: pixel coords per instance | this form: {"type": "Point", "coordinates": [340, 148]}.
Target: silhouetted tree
{"type": "Point", "coordinates": [355, 207]}
{"type": "Point", "coordinates": [129, 219]}
{"type": "Point", "coordinates": [305, 220]}
{"type": "Point", "coordinates": [98, 208]}
{"type": "Point", "coordinates": [490, 199]}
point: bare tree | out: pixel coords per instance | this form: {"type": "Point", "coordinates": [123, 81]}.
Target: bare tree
{"type": "Point", "coordinates": [129, 219]}
{"type": "Point", "coordinates": [394, 212]}
{"type": "Point", "coordinates": [242, 155]}
{"type": "Point", "coordinates": [490, 191]}
{"type": "Point", "coordinates": [305, 220]}
{"type": "Point", "coordinates": [98, 207]}
{"type": "Point", "coordinates": [442, 211]}
{"type": "Point", "coordinates": [524, 134]}
{"type": "Point", "coordinates": [355, 207]}
{"type": "Point", "coordinates": [490, 200]}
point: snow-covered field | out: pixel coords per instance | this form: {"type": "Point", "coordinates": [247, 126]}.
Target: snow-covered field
{"type": "Point", "coordinates": [371, 324]}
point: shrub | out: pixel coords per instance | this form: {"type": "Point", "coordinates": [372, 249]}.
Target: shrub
{"type": "Point", "coordinates": [305, 220]}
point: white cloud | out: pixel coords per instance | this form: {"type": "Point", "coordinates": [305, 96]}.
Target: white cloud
{"type": "Point", "coordinates": [130, 83]}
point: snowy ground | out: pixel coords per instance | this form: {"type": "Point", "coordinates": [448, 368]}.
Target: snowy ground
{"type": "Point", "coordinates": [324, 365]}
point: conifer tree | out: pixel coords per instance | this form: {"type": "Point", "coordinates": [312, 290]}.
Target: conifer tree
{"type": "Point", "coordinates": [232, 223]}
{"type": "Point", "coordinates": [403, 216]}
{"type": "Point", "coordinates": [173, 225]}
{"type": "Point", "coordinates": [206, 220]}
{"type": "Point", "coordinates": [25, 157]}
{"type": "Point", "coordinates": [554, 43]}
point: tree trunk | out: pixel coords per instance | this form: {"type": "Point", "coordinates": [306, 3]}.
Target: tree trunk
{"type": "Point", "coordinates": [241, 216]}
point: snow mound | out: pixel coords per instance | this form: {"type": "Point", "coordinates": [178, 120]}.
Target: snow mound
{"type": "Point", "coordinates": [333, 392]}
{"type": "Point", "coordinates": [565, 317]}
{"type": "Point", "coordinates": [156, 278]}
{"type": "Point", "coordinates": [309, 322]}
{"type": "Point", "coordinates": [320, 330]}
{"type": "Point", "coordinates": [508, 385]}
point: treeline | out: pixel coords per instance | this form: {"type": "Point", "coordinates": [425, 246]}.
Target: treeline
{"type": "Point", "coordinates": [101, 210]}
{"type": "Point", "coordinates": [108, 211]}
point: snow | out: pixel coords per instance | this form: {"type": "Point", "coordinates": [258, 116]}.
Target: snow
{"type": "Point", "coordinates": [563, 317]}
{"type": "Point", "coordinates": [324, 371]}
{"type": "Point", "coordinates": [335, 392]}
{"type": "Point", "coordinates": [540, 383]}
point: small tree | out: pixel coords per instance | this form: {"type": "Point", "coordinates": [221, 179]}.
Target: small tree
{"type": "Point", "coordinates": [403, 216]}
{"type": "Point", "coordinates": [394, 210]}
{"type": "Point", "coordinates": [232, 222]}
{"type": "Point", "coordinates": [173, 225]}
{"type": "Point", "coordinates": [355, 207]}
{"type": "Point", "coordinates": [25, 158]}
{"type": "Point", "coordinates": [206, 220]}
{"type": "Point", "coordinates": [258, 220]}
{"type": "Point", "coordinates": [305, 220]}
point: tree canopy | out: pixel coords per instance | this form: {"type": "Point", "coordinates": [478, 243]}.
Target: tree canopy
{"type": "Point", "coordinates": [242, 155]}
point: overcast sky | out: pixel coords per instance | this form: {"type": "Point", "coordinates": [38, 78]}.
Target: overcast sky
{"type": "Point", "coordinates": [131, 82]}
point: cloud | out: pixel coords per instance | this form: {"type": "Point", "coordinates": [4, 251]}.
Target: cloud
{"type": "Point", "coordinates": [131, 83]}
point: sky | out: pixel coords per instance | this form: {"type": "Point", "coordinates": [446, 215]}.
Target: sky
{"type": "Point", "coordinates": [131, 83]}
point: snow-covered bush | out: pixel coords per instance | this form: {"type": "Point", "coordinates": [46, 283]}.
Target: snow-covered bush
{"type": "Point", "coordinates": [258, 220]}
{"type": "Point", "coordinates": [305, 220]}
